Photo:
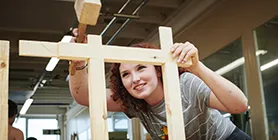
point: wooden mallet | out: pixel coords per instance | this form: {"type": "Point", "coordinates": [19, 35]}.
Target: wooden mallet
{"type": "Point", "coordinates": [87, 12]}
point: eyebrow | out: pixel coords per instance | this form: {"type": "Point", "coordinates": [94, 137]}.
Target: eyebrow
{"type": "Point", "coordinates": [123, 72]}
{"type": "Point", "coordinates": [127, 70]}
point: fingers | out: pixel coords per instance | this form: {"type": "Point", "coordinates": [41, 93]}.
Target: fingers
{"type": "Point", "coordinates": [75, 32]}
{"type": "Point", "coordinates": [184, 51]}
{"type": "Point", "coordinates": [78, 63]}
{"type": "Point", "coordinates": [72, 39]}
{"type": "Point", "coordinates": [75, 63]}
{"type": "Point", "coordinates": [186, 47]}
{"type": "Point", "coordinates": [85, 39]}
{"type": "Point", "coordinates": [193, 55]}
{"type": "Point", "coordinates": [189, 54]}
{"type": "Point", "coordinates": [183, 55]}
{"type": "Point", "coordinates": [176, 49]}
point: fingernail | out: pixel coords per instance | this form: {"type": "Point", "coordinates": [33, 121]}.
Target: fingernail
{"type": "Point", "coordinates": [172, 49]}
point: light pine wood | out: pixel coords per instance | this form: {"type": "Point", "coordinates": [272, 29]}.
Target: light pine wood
{"type": "Point", "coordinates": [96, 54]}
{"type": "Point", "coordinates": [38, 48]}
{"type": "Point", "coordinates": [97, 98]}
{"type": "Point", "coordinates": [4, 73]}
{"type": "Point", "coordinates": [97, 93]}
{"type": "Point", "coordinates": [70, 51]}
{"type": "Point", "coordinates": [87, 11]}
{"type": "Point", "coordinates": [136, 129]}
{"type": "Point", "coordinates": [171, 86]}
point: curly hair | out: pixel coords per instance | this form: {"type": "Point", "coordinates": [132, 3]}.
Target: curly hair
{"type": "Point", "coordinates": [119, 91]}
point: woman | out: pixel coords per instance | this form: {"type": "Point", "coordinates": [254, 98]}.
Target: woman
{"type": "Point", "coordinates": [137, 90]}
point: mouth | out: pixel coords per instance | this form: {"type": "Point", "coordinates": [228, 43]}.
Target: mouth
{"type": "Point", "coordinates": [139, 87]}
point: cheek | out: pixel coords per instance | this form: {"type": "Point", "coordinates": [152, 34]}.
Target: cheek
{"type": "Point", "coordinates": [126, 83]}
{"type": "Point", "coordinates": [154, 80]}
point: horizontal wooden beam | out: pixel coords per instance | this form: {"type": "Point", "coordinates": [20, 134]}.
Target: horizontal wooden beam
{"type": "Point", "coordinates": [30, 48]}
{"type": "Point", "coordinates": [109, 53]}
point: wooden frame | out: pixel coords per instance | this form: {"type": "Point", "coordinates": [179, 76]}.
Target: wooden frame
{"type": "Point", "coordinates": [4, 77]}
{"type": "Point", "coordinates": [96, 54]}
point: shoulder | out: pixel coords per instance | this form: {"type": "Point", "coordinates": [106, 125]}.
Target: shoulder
{"type": "Point", "coordinates": [192, 86]}
{"type": "Point", "coordinates": [18, 131]}
{"type": "Point", "coordinates": [18, 134]}
{"type": "Point", "coordinates": [187, 78]}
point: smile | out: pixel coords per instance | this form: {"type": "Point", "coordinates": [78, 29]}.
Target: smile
{"type": "Point", "coordinates": [139, 87]}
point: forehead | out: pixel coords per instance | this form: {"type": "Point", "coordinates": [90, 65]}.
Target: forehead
{"type": "Point", "coordinates": [127, 66]}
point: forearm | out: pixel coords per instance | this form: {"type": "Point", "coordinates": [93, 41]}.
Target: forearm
{"type": "Point", "coordinates": [225, 91]}
{"type": "Point", "coordinates": [78, 84]}
{"type": "Point", "coordinates": [79, 90]}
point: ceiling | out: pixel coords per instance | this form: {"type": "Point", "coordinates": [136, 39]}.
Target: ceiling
{"type": "Point", "coordinates": [49, 20]}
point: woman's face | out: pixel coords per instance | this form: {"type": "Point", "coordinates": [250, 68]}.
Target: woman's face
{"type": "Point", "coordinates": [139, 80]}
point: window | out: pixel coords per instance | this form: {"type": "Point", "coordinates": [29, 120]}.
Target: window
{"type": "Point", "coordinates": [229, 63]}
{"type": "Point", "coordinates": [36, 127]}
{"type": "Point", "coordinates": [120, 122]}
{"type": "Point", "coordinates": [267, 35]}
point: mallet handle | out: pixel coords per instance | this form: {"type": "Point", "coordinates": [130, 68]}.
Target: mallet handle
{"type": "Point", "coordinates": [80, 38]}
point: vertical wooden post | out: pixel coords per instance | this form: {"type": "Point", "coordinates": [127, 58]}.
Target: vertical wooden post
{"type": "Point", "coordinates": [136, 129]}
{"type": "Point", "coordinates": [97, 93]}
{"type": "Point", "coordinates": [171, 86]}
{"type": "Point", "coordinates": [4, 73]}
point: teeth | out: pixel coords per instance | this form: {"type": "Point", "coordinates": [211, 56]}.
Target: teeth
{"type": "Point", "coordinates": [138, 87]}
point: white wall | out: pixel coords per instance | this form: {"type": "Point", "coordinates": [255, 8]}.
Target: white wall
{"type": "Point", "coordinates": [77, 120]}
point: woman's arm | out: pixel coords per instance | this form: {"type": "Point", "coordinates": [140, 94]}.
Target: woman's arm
{"type": "Point", "coordinates": [78, 84]}
{"type": "Point", "coordinates": [225, 95]}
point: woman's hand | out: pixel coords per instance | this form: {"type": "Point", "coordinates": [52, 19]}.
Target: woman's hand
{"type": "Point", "coordinates": [184, 52]}
{"type": "Point", "coordinates": [75, 34]}
{"type": "Point", "coordinates": [76, 64]}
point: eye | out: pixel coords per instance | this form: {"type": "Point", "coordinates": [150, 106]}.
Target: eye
{"type": "Point", "coordinates": [124, 74]}
{"type": "Point", "coordinates": [141, 67]}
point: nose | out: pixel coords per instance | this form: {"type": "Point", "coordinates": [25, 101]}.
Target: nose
{"type": "Point", "coordinates": [136, 78]}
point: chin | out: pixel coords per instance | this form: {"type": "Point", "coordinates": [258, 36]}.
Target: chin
{"type": "Point", "coordinates": [142, 95]}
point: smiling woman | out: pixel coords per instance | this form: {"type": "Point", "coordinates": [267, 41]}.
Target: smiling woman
{"type": "Point", "coordinates": [128, 96]}
{"type": "Point", "coordinates": [137, 90]}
